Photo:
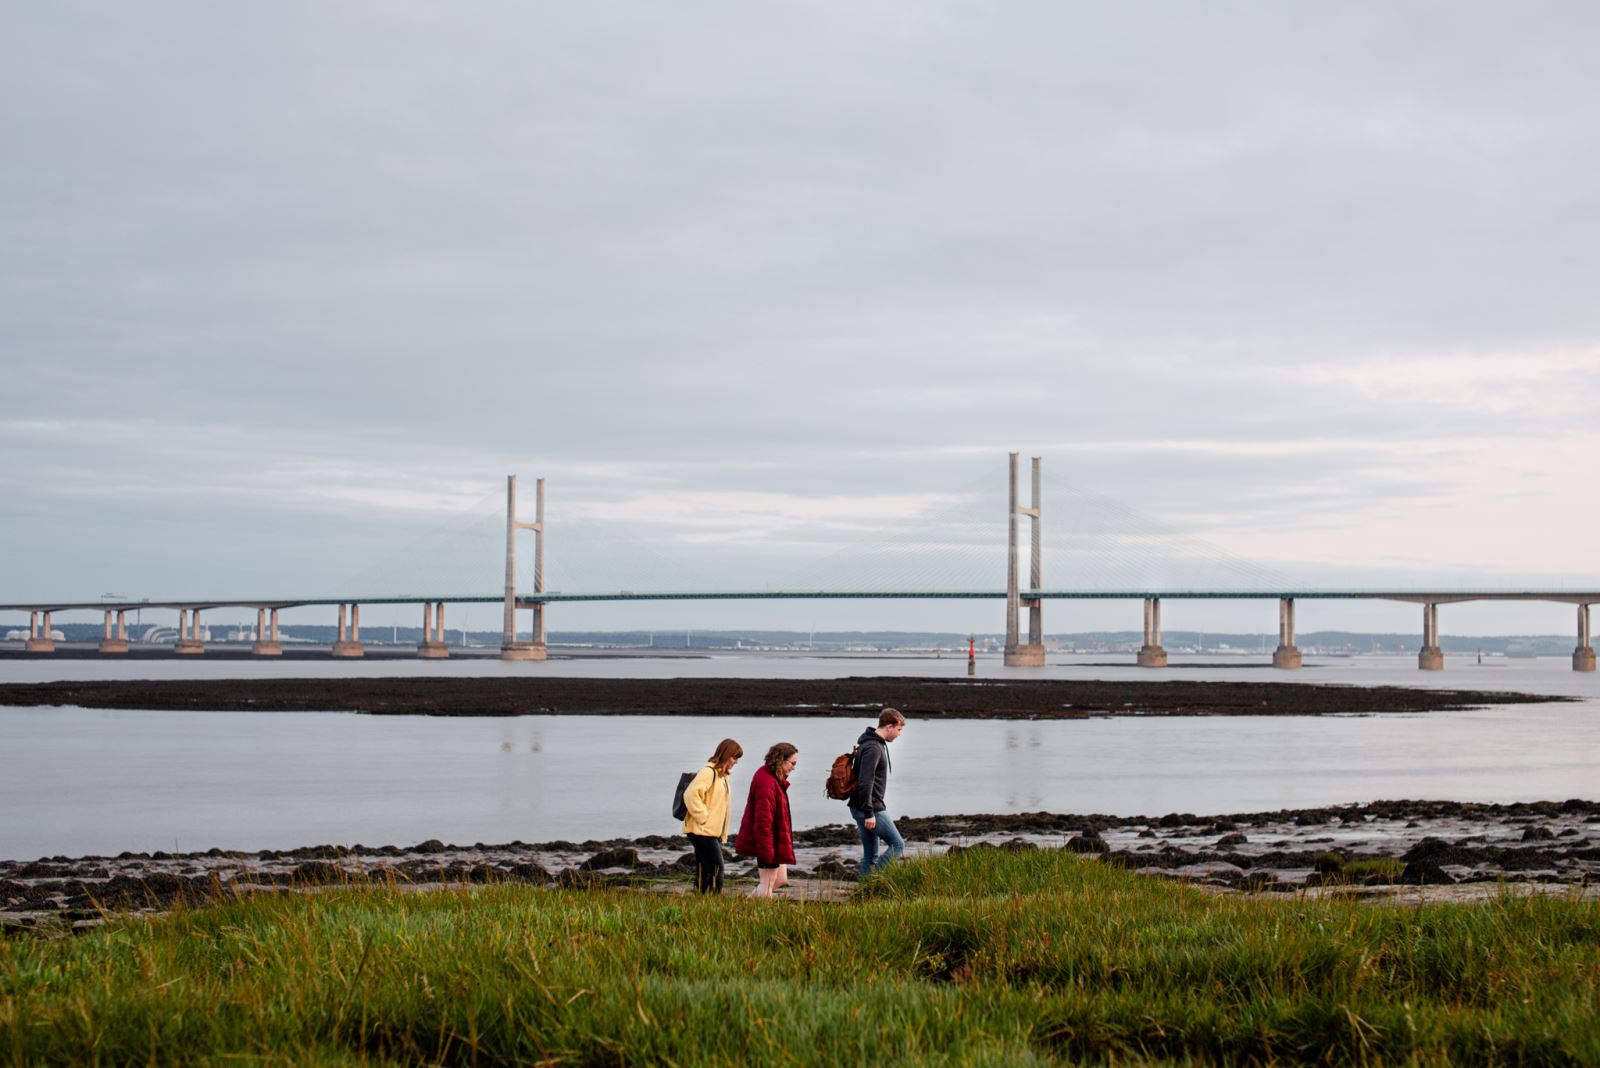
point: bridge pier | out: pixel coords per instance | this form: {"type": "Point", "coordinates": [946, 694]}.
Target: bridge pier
{"type": "Point", "coordinates": [534, 650]}
{"type": "Point", "coordinates": [266, 643]}
{"type": "Point", "coordinates": [1583, 655]}
{"type": "Point", "coordinates": [115, 642]}
{"type": "Point", "coordinates": [1151, 654]}
{"type": "Point", "coordinates": [1016, 653]}
{"type": "Point", "coordinates": [189, 643]}
{"type": "Point", "coordinates": [432, 646]}
{"type": "Point", "coordinates": [349, 641]}
{"type": "Point", "coordinates": [1431, 657]}
{"type": "Point", "coordinates": [537, 646]}
{"type": "Point", "coordinates": [510, 647]}
{"type": "Point", "coordinates": [1029, 654]}
{"type": "Point", "coordinates": [39, 642]}
{"type": "Point", "coordinates": [1286, 655]}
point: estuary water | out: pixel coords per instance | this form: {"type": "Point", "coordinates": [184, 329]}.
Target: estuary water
{"type": "Point", "coordinates": [82, 781]}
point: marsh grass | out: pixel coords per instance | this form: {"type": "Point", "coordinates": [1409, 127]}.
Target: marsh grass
{"type": "Point", "coordinates": [986, 957]}
{"type": "Point", "coordinates": [1383, 867]}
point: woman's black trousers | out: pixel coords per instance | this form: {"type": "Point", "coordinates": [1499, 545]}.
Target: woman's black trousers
{"type": "Point", "coordinates": [707, 863]}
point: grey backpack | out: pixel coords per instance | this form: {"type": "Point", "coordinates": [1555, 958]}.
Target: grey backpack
{"type": "Point", "coordinates": [679, 809]}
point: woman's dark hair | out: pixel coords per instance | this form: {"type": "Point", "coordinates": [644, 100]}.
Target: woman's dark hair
{"type": "Point", "coordinates": [778, 754]}
{"type": "Point", "coordinates": [726, 750]}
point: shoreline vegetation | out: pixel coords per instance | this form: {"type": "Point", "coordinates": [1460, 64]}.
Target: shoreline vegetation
{"type": "Point", "coordinates": [1434, 850]}
{"type": "Point", "coordinates": [919, 698]}
{"type": "Point", "coordinates": [986, 957]}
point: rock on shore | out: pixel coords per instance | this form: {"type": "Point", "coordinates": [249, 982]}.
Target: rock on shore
{"type": "Point", "coordinates": [1343, 848]}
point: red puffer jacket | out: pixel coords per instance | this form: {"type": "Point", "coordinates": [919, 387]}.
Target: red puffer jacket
{"type": "Point", "coordinates": [764, 832]}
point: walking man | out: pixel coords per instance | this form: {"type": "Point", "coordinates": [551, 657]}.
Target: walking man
{"type": "Point", "coordinates": [872, 780]}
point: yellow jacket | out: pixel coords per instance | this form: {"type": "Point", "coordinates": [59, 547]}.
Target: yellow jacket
{"type": "Point", "coordinates": [709, 801]}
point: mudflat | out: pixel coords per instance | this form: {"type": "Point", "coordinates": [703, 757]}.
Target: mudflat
{"type": "Point", "coordinates": [924, 698]}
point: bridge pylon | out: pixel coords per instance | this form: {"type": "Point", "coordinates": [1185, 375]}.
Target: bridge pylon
{"type": "Point", "coordinates": [510, 647]}
{"type": "Point", "coordinates": [1018, 654]}
{"type": "Point", "coordinates": [1152, 654]}
{"type": "Point", "coordinates": [115, 641]}
{"type": "Point", "coordinates": [1583, 655]}
{"type": "Point", "coordinates": [39, 641]}
{"type": "Point", "coordinates": [1287, 654]}
{"type": "Point", "coordinates": [1430, 657]}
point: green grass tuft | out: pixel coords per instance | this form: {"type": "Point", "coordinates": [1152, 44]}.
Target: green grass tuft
{"type": "Point", "coordinates": [1386, 867]}
{"type": "Point", "coordinates": [986, 957]}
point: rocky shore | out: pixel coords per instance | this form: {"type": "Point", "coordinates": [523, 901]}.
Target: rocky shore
{"type": "Point", "coordinates": [923, 698]}
{"type": "Point", "coordinates": [1441, 847]}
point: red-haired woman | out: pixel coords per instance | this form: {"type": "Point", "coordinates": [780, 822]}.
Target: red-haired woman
{"type": "Point", "coordinates": [709, 799]}
{"type": "Point", "coordinates": [765, 832]}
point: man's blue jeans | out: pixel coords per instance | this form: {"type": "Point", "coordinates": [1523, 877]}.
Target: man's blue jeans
{"type": "Point", "coordinates": [894, 845]}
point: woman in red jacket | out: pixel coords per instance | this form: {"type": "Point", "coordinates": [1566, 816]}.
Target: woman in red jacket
{"type": "Point", "coordinates": [764, 832]}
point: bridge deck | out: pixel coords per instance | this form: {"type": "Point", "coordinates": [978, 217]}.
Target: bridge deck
{"type": "Point", "coordinates": [1418, 596]}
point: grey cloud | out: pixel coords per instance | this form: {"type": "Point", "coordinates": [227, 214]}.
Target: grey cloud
{"type": "Point", "coordinates": [821, 250]}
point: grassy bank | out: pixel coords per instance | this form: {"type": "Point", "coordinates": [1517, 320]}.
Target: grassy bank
{"type": "Point", "coordinates": [983, 958]}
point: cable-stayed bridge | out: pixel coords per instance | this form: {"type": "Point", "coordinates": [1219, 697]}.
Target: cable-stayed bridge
{"type": "Point", "coordinates": [1018, 596]}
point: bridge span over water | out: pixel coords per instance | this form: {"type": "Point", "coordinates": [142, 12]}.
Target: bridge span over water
{"type": "Point", "coordinates": [1032, 597]}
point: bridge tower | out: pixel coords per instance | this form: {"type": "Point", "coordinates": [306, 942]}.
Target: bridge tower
{"type": "Point", "coordinates": [1018, 654]}
{"type": "Point", "coordinates": [510, 647]}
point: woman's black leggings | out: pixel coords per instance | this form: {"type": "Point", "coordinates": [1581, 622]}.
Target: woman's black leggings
{"type": "Point", "coordinates": [707, 863]}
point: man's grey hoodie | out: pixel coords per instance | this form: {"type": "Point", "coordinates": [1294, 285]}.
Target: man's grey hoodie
{"type": "Point", "coordinates": [872, 771]}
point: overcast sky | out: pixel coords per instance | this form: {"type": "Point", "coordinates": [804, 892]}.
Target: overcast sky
{"type": "Point", "coordinates": [768, 291]}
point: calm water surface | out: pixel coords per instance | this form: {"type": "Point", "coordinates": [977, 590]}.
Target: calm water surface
{"type": "Point", "coordinates": [77, 781]}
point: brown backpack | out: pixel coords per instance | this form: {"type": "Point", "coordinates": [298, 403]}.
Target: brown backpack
{"type": "Point", "coordinates": [841, 784]}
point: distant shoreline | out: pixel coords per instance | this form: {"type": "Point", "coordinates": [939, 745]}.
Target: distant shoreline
{"type": "Point", "coordinates": [922, 698]}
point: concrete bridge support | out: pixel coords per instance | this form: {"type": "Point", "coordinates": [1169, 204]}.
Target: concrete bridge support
{"type": "Point", "coordinates": [266, 643]}
{"type": "Point", "coordinates": [1431, 658]}
{"type": "Point", "coordinates": [39, 641]}
{"type": "Point", "coordinates": [510, 647]}
{"type": "Point", "coordinates": [432, 646]}
{"type": "Point", "coordinates": [1016, 653]}
{"type": "Point", "coordinates": [349, 641]}
{"type": "Point", "coordinates": [115, 641]}
{"type": "Point", "coordinates": [1583, 655]}
{"type": "Point", "coordinates": [1286, 655]}
{"type": "Point", "coordinates": [1151, 654]}
{"type": "Point", "coordinates": [189, 642]}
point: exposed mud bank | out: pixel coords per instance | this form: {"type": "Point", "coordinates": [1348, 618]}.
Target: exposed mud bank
{"type": "Point", "coordinates": [918, 697]}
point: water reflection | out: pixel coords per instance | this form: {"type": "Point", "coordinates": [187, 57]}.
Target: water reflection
{"type": "Point", "coordinates": [1025, 766]}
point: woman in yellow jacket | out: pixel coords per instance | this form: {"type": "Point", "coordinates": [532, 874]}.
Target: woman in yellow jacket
{"type": "Point", "coordinates": [708, 799]}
